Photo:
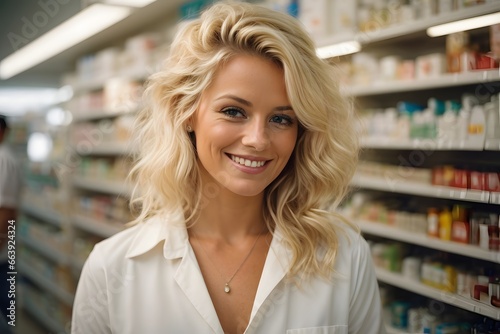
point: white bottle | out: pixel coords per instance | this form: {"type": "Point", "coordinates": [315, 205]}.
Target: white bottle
{"type": "Point", "coordinates": [447, 125]}
{"type": "Point", "coordinates": [462, 130]}
{"type": "Point", "coordinates": [492, 119]}
{"type": "Point", "coordinates": [476, 133]}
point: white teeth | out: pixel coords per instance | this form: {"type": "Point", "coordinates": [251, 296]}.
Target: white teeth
{"type": "Point", "coordinates": [246, 162]}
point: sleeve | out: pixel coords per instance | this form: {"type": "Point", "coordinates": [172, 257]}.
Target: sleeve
{"type": "Point", "coordinates": [90, 308]}
{"type": "Point", "coordinates": [10, 183]}
{"type": "Point", "coordinates": [365, 313]}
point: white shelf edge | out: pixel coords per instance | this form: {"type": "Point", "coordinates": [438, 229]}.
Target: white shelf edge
{"type": "Point", "coordinates": [99, 82]}
{"type": "Point", "coordinates": [54, 254]}
{"type": "Point", "coordinates": [492, 144]}
{"type": "Point", "coordinates": [420, 143]}
{"type": "Point", "coordinates": [91, 225]}
{"type": "Point", "coordinates": [442, 81]}
{"type": "Point", "coordinates": [45, 283]}
{"type": "Point", "coordinates": [109, 148]}
{"type": "Point", "coordinates": [495, 198]}
{"type": "Point", "coordinates": [103, 113]}
{"type": "Point", "coordinates": [44, 318]}
{"type": "Point", "coordinates": [439, 295]}
{"type": "Point", "coordinates": [104, 186]}
{"type": "Point", "coordinates": [47, 215]}
{"type": "Point", "coordinates": [383, 230]}
{"type": "Point", "coordinates": [397, 185]}
{"type": "Point", "coordinates": [419, 25]}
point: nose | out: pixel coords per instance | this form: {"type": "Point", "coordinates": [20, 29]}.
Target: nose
{"type": "Point", "coordinates": [256, 135]}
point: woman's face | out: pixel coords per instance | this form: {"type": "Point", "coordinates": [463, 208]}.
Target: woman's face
{"type": "Point", "coordinates": [245, 127]}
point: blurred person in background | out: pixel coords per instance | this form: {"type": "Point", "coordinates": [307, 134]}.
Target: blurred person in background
{"type": "Point", "coordinates": [246, 148]}
{"type": "Point", "coordinates": [10, 187]}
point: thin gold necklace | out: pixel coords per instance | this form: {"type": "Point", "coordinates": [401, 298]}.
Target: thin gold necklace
{"type": "Point", "coordinates": [227, 288]}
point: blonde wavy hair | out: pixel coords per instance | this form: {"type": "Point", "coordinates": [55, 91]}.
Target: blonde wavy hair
{"type": "Point", "coordinates": [301, 202]}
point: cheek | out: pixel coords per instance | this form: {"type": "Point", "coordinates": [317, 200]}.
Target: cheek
{"type": "Point", "coordinates": [286, 144]}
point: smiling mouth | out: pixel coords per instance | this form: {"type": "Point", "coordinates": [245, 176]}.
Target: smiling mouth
{"type": "Point", "coordinates": [247, 162]}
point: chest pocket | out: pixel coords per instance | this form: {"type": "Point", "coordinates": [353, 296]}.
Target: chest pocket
{"type": "Point", "coordinates": [341, 329]}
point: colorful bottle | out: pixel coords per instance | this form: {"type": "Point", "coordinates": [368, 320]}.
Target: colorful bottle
{"type": "Point", "coordinates": [433, 223]}
{"type": "Point", "coordinates": [445, 223]}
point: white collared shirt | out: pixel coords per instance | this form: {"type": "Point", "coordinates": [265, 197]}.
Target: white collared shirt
{"type": "Point", "coordinates": [146, 279]}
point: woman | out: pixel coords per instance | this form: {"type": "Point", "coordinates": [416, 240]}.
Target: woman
{"type": "Point", "coordinates": [245, 143]}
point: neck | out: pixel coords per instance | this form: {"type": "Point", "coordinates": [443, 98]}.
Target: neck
{"type": "Point", "coordinates": [230, 217]}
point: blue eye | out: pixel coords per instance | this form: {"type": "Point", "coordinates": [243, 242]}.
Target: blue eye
{"type": "Point", "coordinates": [282, 120]}
{"type": "Point", "coordinates": [233, 112]}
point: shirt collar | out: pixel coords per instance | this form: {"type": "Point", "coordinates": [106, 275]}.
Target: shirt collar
{"type": "Point", "coordinates": [168, 228]}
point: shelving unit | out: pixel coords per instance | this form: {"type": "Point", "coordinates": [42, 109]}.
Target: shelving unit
{"type": "Point", "coordinates": [449, 298]}
{"type": "Point", "coordinates": [394, 233]}
{"type": "Point", "coordinates": [409, 28]}
{"type": "Point", "coordinates": [399, 185]}
{"type": "Point", "coordinates": [46, 250]}
{"type": "Point", "coordinates": [46, 214]}
{"type": "Point", "coordinates": [102, 229]}
{"type": "Point", "coordinates": [443, 81]}
{"type": "Point", "coordinates": [384, 94]}
{"type": "Point", "coordinates": [46, 284]}
{"type": "Point", "coordinates": [44, 318]}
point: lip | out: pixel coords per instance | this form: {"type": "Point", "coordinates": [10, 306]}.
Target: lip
{"type": "Point", "coordinates": [246, 169]}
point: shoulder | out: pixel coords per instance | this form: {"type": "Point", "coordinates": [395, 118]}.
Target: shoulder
{"type": "Point", "coordinates": [352, 248]}
{"type": "Point", "coordinates": [123, 247]}
{"type": "Point", "coordinates": [111, 252]}
{"type": "Point", "coordinates": [116, 246]}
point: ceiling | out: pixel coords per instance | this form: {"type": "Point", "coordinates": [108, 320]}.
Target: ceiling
{"type": "Point", "coordinates": [17, 17]}
{"type": "Point", "coordinates": [22, 21]}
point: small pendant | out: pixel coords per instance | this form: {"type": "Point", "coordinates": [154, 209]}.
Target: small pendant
{"type": "Point", "coordinates": [227, 289]}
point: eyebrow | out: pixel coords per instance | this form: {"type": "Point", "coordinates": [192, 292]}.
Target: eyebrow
{"type": "Point", "coordinates": [250, 104]}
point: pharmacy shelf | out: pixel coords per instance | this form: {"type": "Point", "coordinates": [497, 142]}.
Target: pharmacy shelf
{"type": "Point", "coordinates": [46, 250]}
{"type": "Point", "coordinates": [158, 13]}
{"type": "Point", "coordinates": [415, 26]}
{"type": "Point", "coordinates": [47, 215]}
{"type": "Point", "coordinates": [110, 148]}
{"type": "Point", "coordinates": [407, 28]}
{"type": "Point", "coordinates": [103, 186]}
{"type": "Point", "coordinates": [46, 283]}
{"type": "Point", "coordinates": [399, 185]}
{"type": "Point", "coordinates": [94, 226]}
{"type": "Point", "coordinates": [419, 144]}
{"type": "Point", "coordinates": [442, 81]}
{"type": "Point", "coordinates": [44, 318]}
{"type": "Point", "coordinates": [402, 282]}
{"type": "Point", "coordinates": [103, 113]}
{"type": "Point", "coordinates": [390, 232]}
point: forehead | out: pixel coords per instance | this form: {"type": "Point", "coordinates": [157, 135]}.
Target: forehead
{"type": "Point", "coordinates": [250, 75]}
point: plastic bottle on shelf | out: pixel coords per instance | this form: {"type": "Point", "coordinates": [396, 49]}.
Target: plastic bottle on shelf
{"type": "Point", "coordinates": [460, 225]}
{"type": "Point", "coordinates": [433, 223]}
{"type": "Point", "coordinates": [447, 124]}
{"type": "Point", "coordinates": [468, 101]}
{"type": "Point", "coordinates": [492, 118]}
{"type": "Point", "coordinates": [476, 130]}
{"type": "Point", "coordinates": [445, 223]}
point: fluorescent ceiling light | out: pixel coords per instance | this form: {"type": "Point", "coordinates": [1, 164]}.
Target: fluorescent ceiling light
{"type": "Point", "coordinates": [339, 49]}
{"type": "Point", "coordinates": [78, 28]}
{"type": "Point", "coordinates": [463, 25]}
{"type": "Point", "coordinates": [130, 3]}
